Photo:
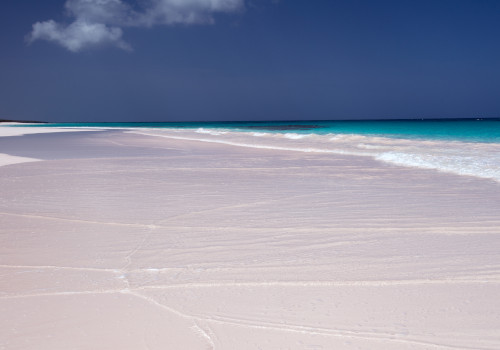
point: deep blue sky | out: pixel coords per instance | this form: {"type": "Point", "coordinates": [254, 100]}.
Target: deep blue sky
{"type": "Point", "coordinates": [291, 59]}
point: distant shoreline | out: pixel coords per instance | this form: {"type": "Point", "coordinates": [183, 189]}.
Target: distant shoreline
{"type": "Point", "coordinates": [22, 121]}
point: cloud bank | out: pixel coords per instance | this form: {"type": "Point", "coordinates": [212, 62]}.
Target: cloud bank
{"type": "Point", "coordinates": [101, 22]}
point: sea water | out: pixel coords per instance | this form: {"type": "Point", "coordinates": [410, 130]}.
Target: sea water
{"type": "Point", "coordinates": [469, 147]}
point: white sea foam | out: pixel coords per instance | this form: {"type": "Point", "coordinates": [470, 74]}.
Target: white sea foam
{"type": "Point", "coordinates": [461, 165]}
{"type": "Point", "coordinates": [295, 136]}
{"type": "Point", "coordinates": [210, 132]}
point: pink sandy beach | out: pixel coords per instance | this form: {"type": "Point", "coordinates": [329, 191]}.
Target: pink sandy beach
{"type": "Point", "coordinates": [116, 240]}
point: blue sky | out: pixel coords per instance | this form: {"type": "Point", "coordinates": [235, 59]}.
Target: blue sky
{"type": "Point", "coordinates": [197, 60]}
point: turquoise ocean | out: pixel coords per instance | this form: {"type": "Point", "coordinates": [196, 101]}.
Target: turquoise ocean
{"type": "Point", "coordinates": [468, 147]}
{"type": "Point", "coordinates": [470, 130]}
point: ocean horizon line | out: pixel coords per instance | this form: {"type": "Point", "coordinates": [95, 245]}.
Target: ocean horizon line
{"type": "Point", "coordinates": [254, 121]}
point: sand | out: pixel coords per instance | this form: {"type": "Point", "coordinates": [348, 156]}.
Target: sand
{"type": "Point", "coordinates": [113, 240]}
{"type": "Point", "coordinates": [6, 159]}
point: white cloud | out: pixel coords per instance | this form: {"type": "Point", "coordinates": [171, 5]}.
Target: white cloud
{"type": "Point", "coordinates": [171, 12]}
{"type": "Point", "coordinates": [99, 11]}
{"type": "Point", "coordinates": [78, 35]}
{"type": "Point", "coordinates": [100, 22]}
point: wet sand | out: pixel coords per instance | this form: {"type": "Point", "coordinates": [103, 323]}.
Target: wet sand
{"type": "Point", "coordinates": [113, 240]}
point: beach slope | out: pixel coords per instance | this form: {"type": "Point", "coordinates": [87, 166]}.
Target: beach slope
{"type": "Point", "coordinates": [115, 240]}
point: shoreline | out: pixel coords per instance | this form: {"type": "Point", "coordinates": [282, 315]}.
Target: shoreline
{"type": "Point", "coordinates": [459, 160]}
{"type": "Point", "coordinates": [464, 158]}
